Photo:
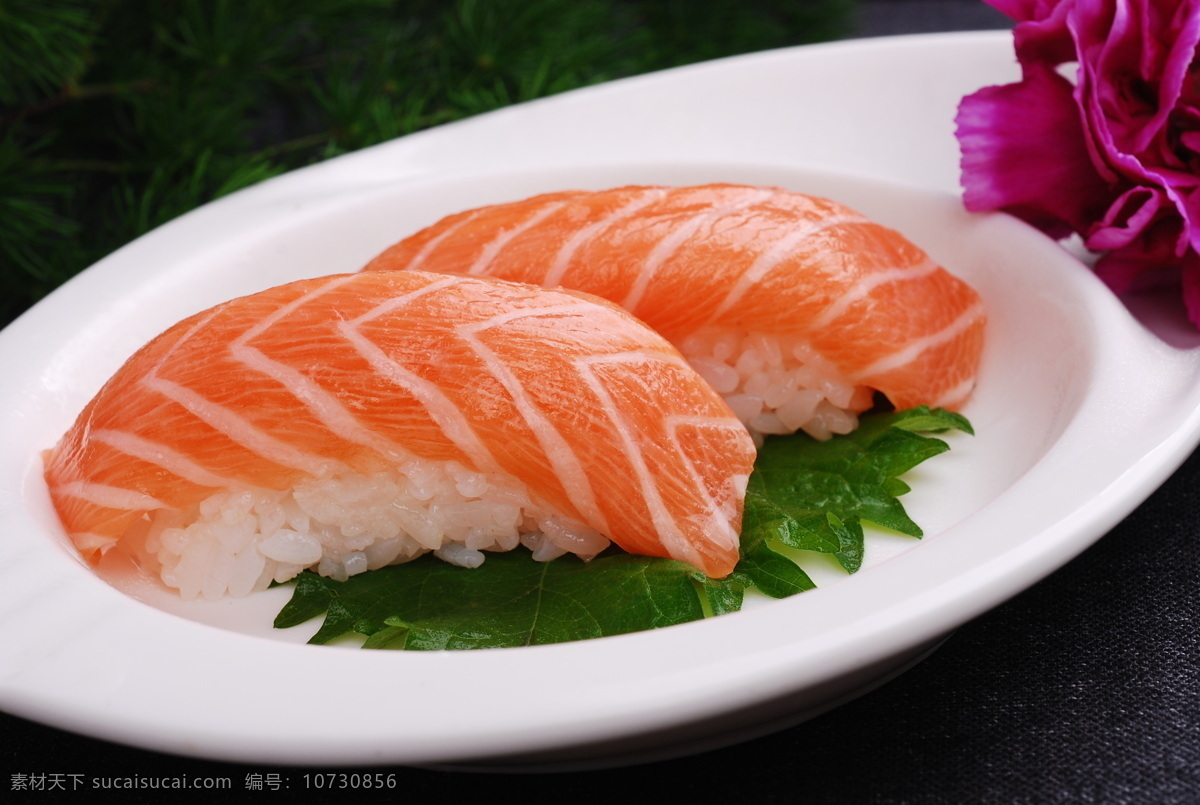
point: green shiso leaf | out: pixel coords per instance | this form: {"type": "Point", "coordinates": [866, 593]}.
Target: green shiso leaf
{"type": "Point", "coordinates": [510, 600]}
{"type": "Point", "coordinates": [814, 496]}
{"type": "Point", "coordinates": [804, 495]}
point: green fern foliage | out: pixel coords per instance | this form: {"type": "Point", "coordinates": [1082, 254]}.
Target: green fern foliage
{"type": "Point", "coordinates": [118, 115]}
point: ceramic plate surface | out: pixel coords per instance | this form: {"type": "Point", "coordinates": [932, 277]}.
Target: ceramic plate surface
{"type": "Point", "coordinates": [1080, 414]}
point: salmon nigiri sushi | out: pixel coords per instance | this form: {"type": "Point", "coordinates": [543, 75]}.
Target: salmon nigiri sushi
{"type": "Point", "coordinates": [795, 308]}
{"type": "Point", "coordinates": [350, 422]}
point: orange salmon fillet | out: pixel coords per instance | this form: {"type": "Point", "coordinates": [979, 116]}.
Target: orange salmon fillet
{"type": "Point", "coordinates": [597, 415]}
{"type": "Point", "coordinates": [750, 259]}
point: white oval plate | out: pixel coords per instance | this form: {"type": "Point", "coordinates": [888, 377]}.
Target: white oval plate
{"type": "Point", "coordinates": [1080, 414]}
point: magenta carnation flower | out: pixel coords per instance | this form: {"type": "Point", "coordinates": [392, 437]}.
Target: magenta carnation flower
{"type": "Point", "coordinates": [1101, 137]}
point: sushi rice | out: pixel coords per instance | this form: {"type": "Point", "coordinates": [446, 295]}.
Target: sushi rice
{"type": "Point", "coordinates": [776, 385]}
{"type": "Point", "coordinates": [239, 541]}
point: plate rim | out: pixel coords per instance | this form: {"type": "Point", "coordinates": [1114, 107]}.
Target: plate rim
{"type": "Point", "coordinates": [181, 738]}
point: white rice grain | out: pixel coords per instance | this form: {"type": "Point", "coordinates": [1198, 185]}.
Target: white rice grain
{"type": "Point", "coordinates": [237, 541]}
{"type": "Point", "coordinates": [776, 385]}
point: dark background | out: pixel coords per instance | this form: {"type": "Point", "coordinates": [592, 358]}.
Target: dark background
{"type": "Point", "coordinates": [1085, 688]}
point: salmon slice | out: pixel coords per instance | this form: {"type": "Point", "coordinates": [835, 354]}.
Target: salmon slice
{"type": "Point", "coordinates": [854, 301]}
{"type": "Point", "coordinates": [565, 404]}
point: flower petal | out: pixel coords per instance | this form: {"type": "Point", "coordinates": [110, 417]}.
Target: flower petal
{"type": "Point", "coordinates": [1190, 281]}
{"type": "Point", "coordinates": [1023, 151]}
{"type": "Point", "coordinates": [1134, 57]}
{"type": "Point", "coordinates": [1109, 149]}
{"type": "Point", "coordinates": [1126, 219]}
{"type": "Point", "coordinates": [1119, 272]}
{"type": "Point", "coordinates": [1040, 35]}
{"type": "Point", "coordinates": [1026, 10]}
{"type": "Point", "coordinates": [1148, 261]}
